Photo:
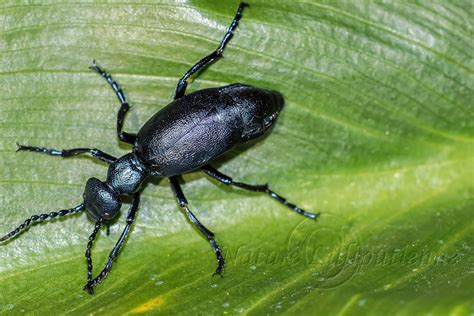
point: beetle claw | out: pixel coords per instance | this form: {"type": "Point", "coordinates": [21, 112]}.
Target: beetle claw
{"type": "Point", "coordinates": [89, 288]}
{"type": "Point", "coordinates": [218, 272]}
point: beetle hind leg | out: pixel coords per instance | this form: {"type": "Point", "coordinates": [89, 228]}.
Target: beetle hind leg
{"type": "Point", "coordinates": [183, 203]}
{"type": "Point", "coordinates": [214, 173]}
{"type": "Point", "coordinates": [209, 59]}
{"type": "Point", "coordinates": [124, 107]}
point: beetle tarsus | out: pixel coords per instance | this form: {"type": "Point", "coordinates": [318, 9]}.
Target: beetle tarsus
{"type": "Point", "coordinates": [89, 288]}
{"type": "Point", "coordinates": [94, 152]}
{"type": "Point", "coordinates": [212, 57]}
{"type": "Point", "coordinates": [220, 258]}
{"type": "Point", "coordinates": [206, 232]}
{"type": "Point", "coordinates": [219, 176]}
{"type": "Point", "coordinates": [124, 106]}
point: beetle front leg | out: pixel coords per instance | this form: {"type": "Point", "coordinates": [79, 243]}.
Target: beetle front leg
{"type": "Point", "coordinates": [206, 232]}
{"type": "Point", "coordinates": [209, 59]}
{"type": "Point", "coordinates": [96, 153]}
{"type": "Point", "coordinates": [219, 176]}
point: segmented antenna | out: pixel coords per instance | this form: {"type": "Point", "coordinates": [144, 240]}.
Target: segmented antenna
{"type": "Point", "coordinates": [97, 226]}
{"type": "Point", "coordinates": [91, 283]}
{"type": "Point", "coordinates": [40, 218]}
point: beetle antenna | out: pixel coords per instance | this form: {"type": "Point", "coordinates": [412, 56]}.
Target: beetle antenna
{"type": "Point", "coordinates": [40, 218]}
{"type": "Point", "coordinates": [92, 236]}
{"type": "Point", "coordinates": [91, 283]}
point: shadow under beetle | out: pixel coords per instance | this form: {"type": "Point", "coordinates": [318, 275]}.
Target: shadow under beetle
{"type": "Point", "coordinates": [185, 135]}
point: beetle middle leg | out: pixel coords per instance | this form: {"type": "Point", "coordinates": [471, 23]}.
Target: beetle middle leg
{"type": "Point", "coordinates": [209, 59]}
{"type": "Point", "coordinates": [219, 176]}
{"type": "Point", "coordinates": [69, 152]}
{"type": "Point", "coordinates": [124, 107]}
{"type": "Point", "coordinates": [206, 232]}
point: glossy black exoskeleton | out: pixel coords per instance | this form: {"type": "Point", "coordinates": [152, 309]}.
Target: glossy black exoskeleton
{"type": "Point", "coordinates": [186, 135]}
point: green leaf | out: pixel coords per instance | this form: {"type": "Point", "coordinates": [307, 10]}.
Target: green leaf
{"type": "Point", "coordinates": [377, 133]}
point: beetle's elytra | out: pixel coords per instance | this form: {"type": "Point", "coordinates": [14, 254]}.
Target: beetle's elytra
{"type": "Point", "coordinates": [186, 135]}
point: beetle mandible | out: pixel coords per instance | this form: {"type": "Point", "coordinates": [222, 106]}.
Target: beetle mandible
{"type": "Point", "coordinates": [186, 135]}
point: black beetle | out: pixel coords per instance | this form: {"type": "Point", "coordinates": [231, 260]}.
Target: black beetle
{"type": "Point", "coordinates": [185, 135]}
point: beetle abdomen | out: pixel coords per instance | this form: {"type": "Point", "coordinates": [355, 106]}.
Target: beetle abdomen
{"type": "Point", "coordinates": [193, 130]}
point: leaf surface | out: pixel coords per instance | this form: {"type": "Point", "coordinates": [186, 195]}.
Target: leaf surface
{"type": "Point", "coordinates": [376, 133]}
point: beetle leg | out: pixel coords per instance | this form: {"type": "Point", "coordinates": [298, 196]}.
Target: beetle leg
{"type": "Point", "coordinates": [214, 173]}
{"type": "Point", "coordinates": [89, 287]}
{"type": "Point", "coordinates": [206, 232]}
{"type": "Point", "coordinates": [123, 136]}
{"type": "Point", "coordinates": [209, 59]}
{"type": "Point", "coordinates": [69, 152]}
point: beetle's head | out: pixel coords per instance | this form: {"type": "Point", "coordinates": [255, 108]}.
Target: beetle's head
{"type": "Point", "coordinates": [101, 200]}
{"type": "Point", "coordinates": [259, 116]}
